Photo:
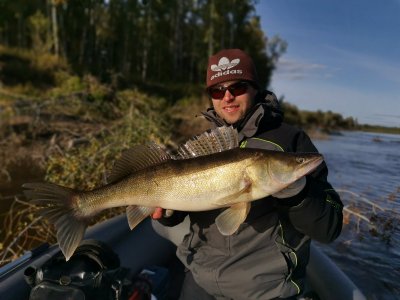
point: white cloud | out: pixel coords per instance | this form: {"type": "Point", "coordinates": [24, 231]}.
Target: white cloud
{"type": "Point", "coordinates": [379, 66]}
{"type": "Point", "coordinates": [350, 101]}
{"type": "Point", "coordinates": [295, 69]}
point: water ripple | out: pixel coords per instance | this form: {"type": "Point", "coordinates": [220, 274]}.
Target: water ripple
{"type": "Point", "coordinates": [367, 165]}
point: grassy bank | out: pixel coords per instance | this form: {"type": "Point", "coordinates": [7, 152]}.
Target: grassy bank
{"type": "Point", "coordinates": [380, 129]}
{"type": "Point", "coordinates": [70, 131]}
{"type": "Point", "coordinates": [73, 141]}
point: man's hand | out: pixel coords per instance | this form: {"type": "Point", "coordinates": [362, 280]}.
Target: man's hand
{"type": "Point", "coordinates": [160, 213]}
{"type": "Point", "coordinates": [292, 190]}
{"type": "Point", "coordinates": [157, 214]}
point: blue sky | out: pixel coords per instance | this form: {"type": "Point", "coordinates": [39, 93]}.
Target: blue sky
{"type": "Point", "coordinates": [342, 56]}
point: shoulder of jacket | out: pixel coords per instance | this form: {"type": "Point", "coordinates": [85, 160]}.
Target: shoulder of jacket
{"type": "Point", "coordinates": [286, 136]}
{"type": "Point", "coordinates": [282, 130]}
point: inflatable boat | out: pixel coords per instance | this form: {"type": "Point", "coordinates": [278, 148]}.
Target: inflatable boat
{"type": "Point", "coordinates": [151, 244]}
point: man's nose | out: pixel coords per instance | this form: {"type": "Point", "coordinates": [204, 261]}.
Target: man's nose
{"type": "Point", "coordinates": [228, 96]}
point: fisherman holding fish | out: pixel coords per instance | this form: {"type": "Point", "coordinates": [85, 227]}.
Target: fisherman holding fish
{"type": "Point", "coordinates": [255, 190]}
{"type": "Point", "coordinates": [266, 257]}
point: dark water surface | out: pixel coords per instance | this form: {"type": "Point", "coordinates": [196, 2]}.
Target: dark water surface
{"type": "Point", "coordinates": [366, 167]}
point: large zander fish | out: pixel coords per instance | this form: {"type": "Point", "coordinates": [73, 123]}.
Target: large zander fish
{"type": "Point", "coordinates": [210, 171]}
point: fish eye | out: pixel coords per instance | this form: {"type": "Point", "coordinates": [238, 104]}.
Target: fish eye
{"type": "Point", "coordinates": [300, 160]}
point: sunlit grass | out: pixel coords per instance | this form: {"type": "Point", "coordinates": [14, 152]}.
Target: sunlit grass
{"type": "Point", "coordinates": [75, 139]}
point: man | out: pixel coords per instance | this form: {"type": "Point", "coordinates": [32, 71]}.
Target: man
{"type": "Point", "coordinates": [267, 256]}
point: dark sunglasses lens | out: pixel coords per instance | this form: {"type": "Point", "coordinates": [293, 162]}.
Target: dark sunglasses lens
{"type": "Point", "coordinates": [235, 89]}
{"type": "Point", "coordinates": [238, 89]}
{"type": "Point", "coordinates": [217, 93]}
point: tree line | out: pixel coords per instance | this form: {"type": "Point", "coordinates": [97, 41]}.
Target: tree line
{"type": "Point", "coordinates": [140, 40]}
{"type": "Point", "coordinates": [326, 121]}
{"type": "Point", "coordinates": [155, 42]}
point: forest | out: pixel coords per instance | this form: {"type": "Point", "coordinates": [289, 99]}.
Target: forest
{"type": "Point", "coordinates": [159, 47]}
{"type": "Point", "coordinates": [151, 41]}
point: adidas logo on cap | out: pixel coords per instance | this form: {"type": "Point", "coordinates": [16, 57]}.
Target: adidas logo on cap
{"type": "Point", "coordinates": [229, 65]}
{"type": "Point", "coordinates": [225, 64]}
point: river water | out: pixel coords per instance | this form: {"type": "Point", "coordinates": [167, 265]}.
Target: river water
{"type": "Point", "coordinates": [365, 168]}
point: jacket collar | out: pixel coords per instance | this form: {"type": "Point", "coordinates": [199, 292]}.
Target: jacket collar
{"type": "Point", "coordinates": [266, 113]}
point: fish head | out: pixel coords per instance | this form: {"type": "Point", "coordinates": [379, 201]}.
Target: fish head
{"type": "Point", "coordinates": [281, 169]}
{"type": "Point", "coordinates": [289, 167]}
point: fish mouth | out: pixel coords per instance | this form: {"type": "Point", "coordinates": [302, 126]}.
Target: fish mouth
{"type": "Point", "coordinates": [313, 163]}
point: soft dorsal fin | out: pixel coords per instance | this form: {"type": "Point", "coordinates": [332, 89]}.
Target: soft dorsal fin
{"type": "Point", "coordinates": [138, 158]}
{"type": "Point", "coordinates": [217, 140]}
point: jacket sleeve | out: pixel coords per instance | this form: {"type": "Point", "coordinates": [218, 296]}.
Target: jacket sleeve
{"type": "Point", "coordinates": [176, 218]}
{"type": "Point", "coordinates": [317, 210]}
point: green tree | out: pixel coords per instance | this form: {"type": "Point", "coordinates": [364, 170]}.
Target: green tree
{"type": "Point", "coordinates": [39, 26]}
{"type": "Point", "coordinates": [150, 41]}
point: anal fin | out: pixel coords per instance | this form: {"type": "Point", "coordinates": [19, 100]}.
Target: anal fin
{"type": "Point", "coordinates": [137, 214]}
{"type": "Point", "coordinates": [230, 219]}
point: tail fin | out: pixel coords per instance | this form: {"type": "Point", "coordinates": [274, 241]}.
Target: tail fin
{"type": "Point", "coordinates": [58, 207]}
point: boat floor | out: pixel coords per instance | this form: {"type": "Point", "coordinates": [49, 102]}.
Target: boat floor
{"type": "Point", "coordinates": [152, 244]}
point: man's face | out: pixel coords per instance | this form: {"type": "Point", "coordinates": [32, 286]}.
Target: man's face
{"type": "Point", "coordinates": [229, 107]}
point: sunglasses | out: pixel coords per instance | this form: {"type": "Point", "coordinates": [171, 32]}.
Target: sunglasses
{"type": "Point", "coordinates": [236, 89]}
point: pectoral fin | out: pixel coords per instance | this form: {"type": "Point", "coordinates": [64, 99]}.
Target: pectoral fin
{"type": "Point", "coordinates": [137, 214]}
{"type": "Point", "coordinates": [240, 196]}
{"type": "Point", "coordinates": [230, 219]}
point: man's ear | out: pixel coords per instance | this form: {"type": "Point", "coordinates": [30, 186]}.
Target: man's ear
{"type": "Point", "coordinates": [260, 96]}
{"type": "Point", "coordinates": [210, 103]}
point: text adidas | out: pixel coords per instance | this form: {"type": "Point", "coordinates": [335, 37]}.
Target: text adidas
{"type": "Point", "coordinates": [227, 72]}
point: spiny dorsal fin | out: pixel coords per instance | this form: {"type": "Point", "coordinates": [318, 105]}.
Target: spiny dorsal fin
{"type": "Point", "coordinates": [217, 140]}
{"type": "Point", "coordinates": [138, 158]}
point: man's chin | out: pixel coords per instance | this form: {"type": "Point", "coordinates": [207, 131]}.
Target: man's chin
{"type": "Point", "coordinates": [231, 121]}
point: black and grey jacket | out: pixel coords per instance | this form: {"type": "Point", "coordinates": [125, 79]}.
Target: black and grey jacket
{"type": "Point", "coordinates": [266, 258]}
